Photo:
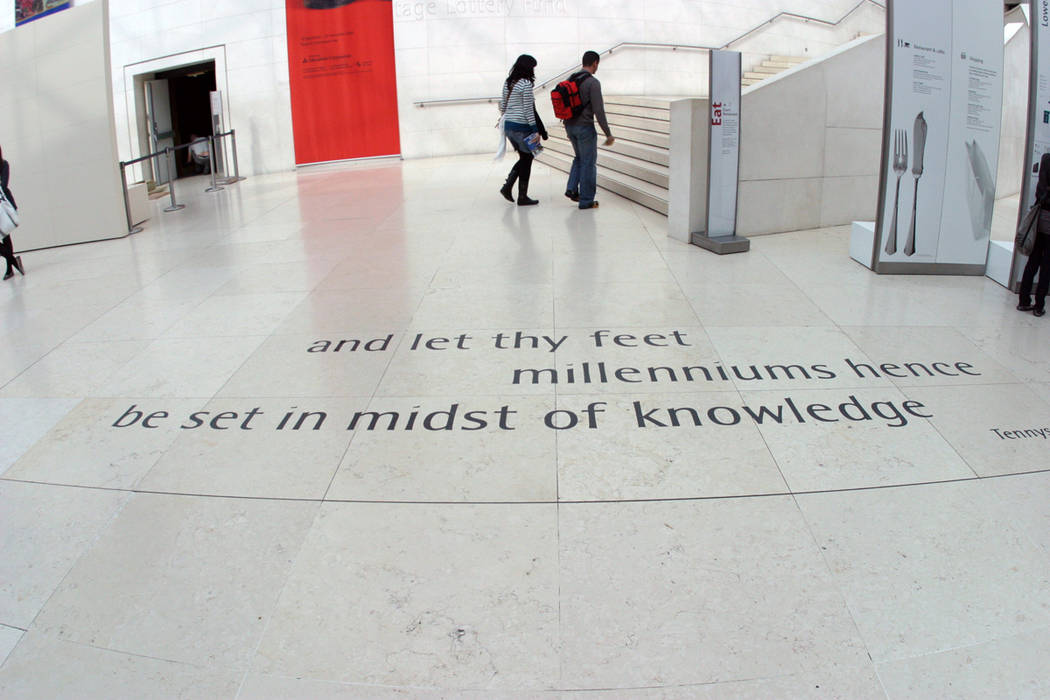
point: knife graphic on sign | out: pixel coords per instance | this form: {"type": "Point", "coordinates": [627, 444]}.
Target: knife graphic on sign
{"type": "Point", "coordinates": [916, 170]}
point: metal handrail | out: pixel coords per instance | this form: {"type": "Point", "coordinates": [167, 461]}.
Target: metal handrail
{"type": "Point", "coordinates": [672, 47]}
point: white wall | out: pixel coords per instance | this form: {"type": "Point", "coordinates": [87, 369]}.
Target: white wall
{"type": "Point", "coordinates": [56, 128]}
{"type": "Point", "coordinates": [444, 53]}
{"type": "Point", "coordinates": [456, 49]}
{"type": "Point", "coordinates": [1015, 110]}
{"type": "Point", "coordinates": [248, 41]}
{"type": "Point", "coordinates": [810, 143]}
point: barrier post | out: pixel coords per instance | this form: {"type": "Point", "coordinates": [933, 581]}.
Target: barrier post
{"type": "Point", "coordinates": [211, 165]}
{"type": "Point", "coordinates": [170, 152]}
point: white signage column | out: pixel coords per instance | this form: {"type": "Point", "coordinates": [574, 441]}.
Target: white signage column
{"type": "Point", "coordinates": [940, 137]}
{"type": "Point", "coordinates": [723, 156]}
{"type": "Point", "coordinates": [1038, 135]}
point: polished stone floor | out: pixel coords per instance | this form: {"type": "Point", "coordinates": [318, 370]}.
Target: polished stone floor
{"type": "Point", "coordinates": [373, 432]}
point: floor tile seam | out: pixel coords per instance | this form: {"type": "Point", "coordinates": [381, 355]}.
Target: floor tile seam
{"type": "Point", "coordinates": [943, 437]}
{"type": "Point", "coordinates": [133, 654]}
{"type": "Point", "coordinates": [68, 338]}
{"type": "Point", "coordinates": [250, 665]}
{"type": "Point", "coordinates": [993, 639]}
{"type": "Point", "coordinates": [371, 399]}
{"type": "Point", "coordinates": [837, 583]}
{"type": "Point", "coordinates": [87, 548]}
{"type": "Point", "coordinates": [582, 502]}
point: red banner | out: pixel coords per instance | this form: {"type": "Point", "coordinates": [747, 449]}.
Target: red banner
{"type": "Point", "coordinates": [343, 81]}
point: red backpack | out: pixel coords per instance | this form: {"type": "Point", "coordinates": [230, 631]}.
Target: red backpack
{"type": "Point", "coordinates": [566, 96]}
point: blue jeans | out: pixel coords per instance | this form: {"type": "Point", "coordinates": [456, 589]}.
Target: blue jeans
{"type": "Point", "coordinates": [583, 177]}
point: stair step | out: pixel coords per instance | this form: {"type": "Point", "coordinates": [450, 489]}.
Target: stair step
{"type": "Point", "coordinates": [660, 113]}
{"type": "Point", "coordinates": [789, 59]}
{"type": "Point", "coordinates": [644, 193]}
{"type": "Point", "coordinates": [752, 75]}
{"type": "Point", "coordinates": [658, 126]}
{"type": "Point", "coordinates": [642, 136]}
{"type": "Point", "coordinates": [647, 154]}
{"type": "Point", "coordinates": [643, 170]}
{"type": "Point", "coordinates": [657, 102]}
{"type": "Point", "coordinates": [750, 81]}
{"type": "Point", "coordinates": [780, 65]}
{"type": "Point", "coordinates": [767, 70]}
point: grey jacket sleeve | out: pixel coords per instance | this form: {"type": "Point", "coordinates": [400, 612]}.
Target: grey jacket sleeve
{"type": "Point", "coordinates": [598, 104]}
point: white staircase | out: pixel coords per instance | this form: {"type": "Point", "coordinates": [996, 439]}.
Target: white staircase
{"type": "Point", "coordinates": [637, 165]}
{"type": "Point", "coordinates": [770, 67]}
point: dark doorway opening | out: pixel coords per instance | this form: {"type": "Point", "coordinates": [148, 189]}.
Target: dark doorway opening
{"type": "Point", "coordinates": [190, 89]}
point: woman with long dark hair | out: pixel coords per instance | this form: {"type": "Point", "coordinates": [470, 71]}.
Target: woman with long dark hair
{"type": "Point", "coordinates": [520, 121]}
{"type": "Point", "coordinates": [7, 249]}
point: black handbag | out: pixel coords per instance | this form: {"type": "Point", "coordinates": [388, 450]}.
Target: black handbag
{"type": "Point", "coordinates": [1024, 241]}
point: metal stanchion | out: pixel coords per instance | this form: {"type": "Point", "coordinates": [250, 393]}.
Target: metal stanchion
{"type": "Point", "coordinates": [211, 165]}
{"type": "Point", "coordinates": [236, 166]}
{"type": "Point", "coordinates": [132, 228]}
{"type": "Point", "coordinates": [170, 152]}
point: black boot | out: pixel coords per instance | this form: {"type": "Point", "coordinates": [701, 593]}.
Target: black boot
{"type": "Point", "coordinates": [523, 184]}
{"type": "Point", "coordinates": [507, 190]}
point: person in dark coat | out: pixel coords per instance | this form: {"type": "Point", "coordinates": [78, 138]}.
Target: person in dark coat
{"type": "Point", "coordinates": [7, 249]}
{"type": "Point", "coordinates": [1039, 260]}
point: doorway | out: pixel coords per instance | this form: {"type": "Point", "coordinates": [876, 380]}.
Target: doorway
{"type": "Point", "coordinates": [177, 106]}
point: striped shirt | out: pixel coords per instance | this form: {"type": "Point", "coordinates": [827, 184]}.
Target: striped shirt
{"type": "Point", "coordinates": [519, 103]}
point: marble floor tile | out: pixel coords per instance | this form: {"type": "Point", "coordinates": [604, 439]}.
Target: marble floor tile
{"type": "Point", "coordinates": [233, 315]}
{"type": "Point", "coordinates": [1000, 429]}
{"type": "Point", "coordinates": [461, 361]}
{"type": "Point", "coordinates": [258, 686]}
{"type": "Point", "coordinates": [637, 452]}
{"type": "Point", "coordinates": [929, 568]}
{"type": "Point", "coordinates": [265, 449]}
{"type": "Point", "coordinates": [587, 301]}
{"type": "Point", "coordinates": [468, 601]}
{"type": "Point", "coordinates": [26, 421]}
{"type": "Point", "coordinates": [753, 305]}
{"type": "Point", "coordinates": [786, 358]}
{"type": "Point", "coordinates": [1014, 667]}
{"type": "Point", "coordinates": [181, 367]}
{"type": "Point", "coordinates": [137, 318]}
{"type": "Point", "coordinates": [917, 356]}
{"type": "Point", "coordinates": [741, 558]}
{"type": "Point", "coordinates": [91, 445]}
{"type": "Point", "coordinates": [9, 639]}
{"type": "Point", "coordinates": [679, 593]}
{"type": "Point", "coordinates": [61, 373]}
{"type": "Point", "coordinates": [346, 311]}
{"type": "Point", "coordinates": [284, 366]}
{"type": "Point", "coordinates": [463, 448]}
{"type": "Point", "coordinates": [41, 668]}
{"type": "Point", "coordinates": [1023, 500]}
{"type": "Point", "coordinates": [633, 360]}
{"type": "Point", "coordinates": [199, 589]}
{"type": "Point", "coordinates": [481, 306]}
{"type": "Point", "coordinates": [856, 438]}
{"type": "Point", "coordinates": [43, 531]}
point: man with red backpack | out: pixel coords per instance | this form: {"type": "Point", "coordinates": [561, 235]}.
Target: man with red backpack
{"type": "Point", "coordinates": [584, 137]}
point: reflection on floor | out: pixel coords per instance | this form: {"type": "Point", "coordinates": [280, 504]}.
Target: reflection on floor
{"type": "Point", "coordinates": [373, 432]}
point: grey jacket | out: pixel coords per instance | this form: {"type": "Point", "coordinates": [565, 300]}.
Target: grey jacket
{"type": "Point", "coordinates": [593, 105]}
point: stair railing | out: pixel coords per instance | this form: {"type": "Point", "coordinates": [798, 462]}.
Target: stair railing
{"type": "Point", "coordinates": [673, 47]}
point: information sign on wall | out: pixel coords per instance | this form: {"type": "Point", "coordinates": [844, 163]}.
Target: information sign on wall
{"type": "Point", "coordinates": [343, 80]}
{"type": "Point", "coordinates": [941, 136]}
